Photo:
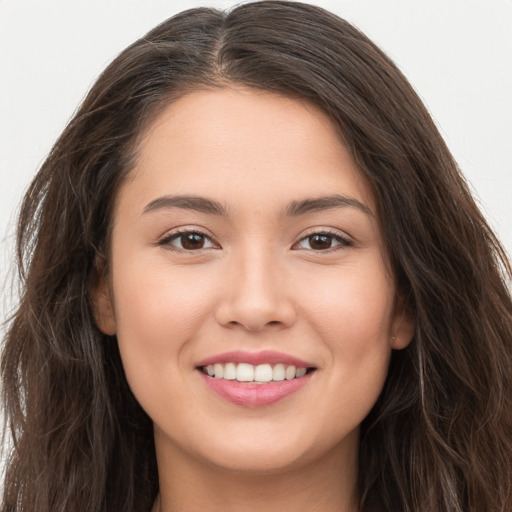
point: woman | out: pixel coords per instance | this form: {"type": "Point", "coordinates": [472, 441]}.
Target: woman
{"type": "Point", "coordinates": [255, 280]}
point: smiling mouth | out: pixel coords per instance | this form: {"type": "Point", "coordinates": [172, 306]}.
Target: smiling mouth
{"type": "Point", "coordinates": [251, 374]}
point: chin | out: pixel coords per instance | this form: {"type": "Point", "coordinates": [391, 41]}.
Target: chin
{"type": "Point", "coordinates": [271, 451]}
{"type": "Point", "coordinates": [257, 460]}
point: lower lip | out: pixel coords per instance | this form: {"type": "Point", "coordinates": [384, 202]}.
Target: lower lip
{"type": "Point", "coordinates": [254, 395]}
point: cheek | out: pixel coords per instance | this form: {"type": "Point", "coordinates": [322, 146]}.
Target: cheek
{"type": "Point", "coordinates": [352, 320]}
{"type": "Point", "coordinates": [355, 303]}
{"type": "Point", "coordinates": [158, 312]}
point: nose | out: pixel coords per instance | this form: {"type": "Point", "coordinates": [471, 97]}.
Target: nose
{"type": "Point", "coordinates": [255, 295]}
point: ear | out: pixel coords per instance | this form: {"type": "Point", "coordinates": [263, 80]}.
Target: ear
{"type": "Point", "coordinates": [402, 328]}
{"type": "Point", "coordinates": [103, 306]}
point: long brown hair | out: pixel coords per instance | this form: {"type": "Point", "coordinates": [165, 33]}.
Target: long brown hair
{"type": "Point", "coordinates": [439, 439]}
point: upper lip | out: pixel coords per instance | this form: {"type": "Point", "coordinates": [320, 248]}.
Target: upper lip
{"type": "Point", "coordinates": [256, 358]}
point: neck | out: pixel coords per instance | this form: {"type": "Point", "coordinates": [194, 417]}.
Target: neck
{"type": "Point", "coordinates": [325, 485]}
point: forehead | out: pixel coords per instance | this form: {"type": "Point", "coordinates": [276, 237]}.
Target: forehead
{"type": "Point", "coordinates": [248, 141]}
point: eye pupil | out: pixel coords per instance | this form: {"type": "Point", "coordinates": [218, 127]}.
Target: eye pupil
{"type": "Point", "coordinates": [192, 241]}
{"type": "Point", "coordinates": [320, 242]}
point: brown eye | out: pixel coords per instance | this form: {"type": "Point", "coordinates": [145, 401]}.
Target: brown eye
{"type": "Point", "coordinates": [192, 241]}
{"type": "Point", "coordinates": [187, 241]}
{"type": "Point", "coordinates": [323, 242]}
{"type": "Point", "coordinates": [320, 242]}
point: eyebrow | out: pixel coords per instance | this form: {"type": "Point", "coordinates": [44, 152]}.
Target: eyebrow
{"type": "Point", "coordinates": [294, 209]}
{"type": "Point", "coordinates": [198, 204]}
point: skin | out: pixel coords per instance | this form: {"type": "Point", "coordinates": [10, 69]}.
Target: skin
{"type": "Point", "coordinates": [256, 281]}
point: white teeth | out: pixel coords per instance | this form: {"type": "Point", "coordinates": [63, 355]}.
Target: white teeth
{"type": "Point", "coordinates": [230, 372]}
{"type": "Point", "coordinates": [244, 372]}
{"type": "Point", "coordinates": [300, 372]}
{"type": "Point", "coordinates": [278, 372]}
{"type": "Point", "coordinates": [290, 372]}
{"type": "Point", "coordinates": [263, 373]}
{"type": "Point", "coordinates": [219, 371]}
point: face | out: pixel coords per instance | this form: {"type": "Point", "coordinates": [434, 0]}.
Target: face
{"type": "Point", "coordinates": [249, 290]}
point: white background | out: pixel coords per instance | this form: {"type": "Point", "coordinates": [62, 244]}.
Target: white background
{"type": "Point", "coordinates": [456, 53]}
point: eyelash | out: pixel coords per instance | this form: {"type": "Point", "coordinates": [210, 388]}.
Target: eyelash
{"type": "Point", "coordinates": [166, 241]}
{"type": "Point", "coordinates": [342, 241]}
